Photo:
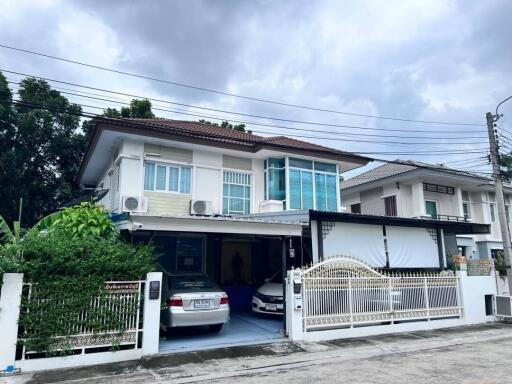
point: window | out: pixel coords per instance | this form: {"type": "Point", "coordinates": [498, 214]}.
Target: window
{"type": "Point", "coordinates": [236, 193]}
{"type": "Point", "coordinates": [312, 185]}
{"type": "Point", "coordinates": [507, 213]}
{"type": "Point", "coordinates": [466, 210]}
{"type": "Point", "coordinates": [390, 205]}
{"type": "Point", "coordinates": [167, 178]}
{"type": "Point", "coordinates": [431, 208]}
{"type": "Point", "coordinates": [275, 180]}
{"type": "Point", "coordinates": [355, 208]}
{"type": "Point", "coordinates": [493, 212]}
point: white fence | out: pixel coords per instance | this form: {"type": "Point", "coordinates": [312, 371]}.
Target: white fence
{"type": "Point", "coordinates": [346, 292]}
{"type": "Point", "coordinates": [344, 297]}
{"type": "Point", "coordinates": [131, 333]}
{"type": "Point", "coordinates": [116, 314]}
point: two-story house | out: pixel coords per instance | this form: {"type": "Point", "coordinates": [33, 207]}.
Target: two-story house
{"type": "Point", "coordinates": [419, 190]}
{"type": "Point", "coordinates": [189, 187]}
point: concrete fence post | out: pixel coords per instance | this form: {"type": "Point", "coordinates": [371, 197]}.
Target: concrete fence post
{"type": "Point", "coordinates": [10, 302]}
{"type": "Point", "coordinates": [151, 319]}
{"type": "Point", "coordinates": [294, 325]}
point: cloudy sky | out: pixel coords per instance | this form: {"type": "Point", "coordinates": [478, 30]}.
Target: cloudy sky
{"type": "Point", "coordinates": [445, 61]}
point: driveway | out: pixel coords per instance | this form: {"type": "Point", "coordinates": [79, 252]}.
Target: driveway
{"type": "Point", "coordinates": [477, 354]}
{"type": "Point", "coordinates": [243, 328]}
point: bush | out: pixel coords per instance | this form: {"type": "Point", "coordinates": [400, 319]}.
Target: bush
{"type": "Point", "coordinates": [68, 262]}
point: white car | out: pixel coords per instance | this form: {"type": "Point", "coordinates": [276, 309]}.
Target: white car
{"type": "Point", "coordinates": [194, 300]}
{"type": "Point", "coordinates": [269, 297]}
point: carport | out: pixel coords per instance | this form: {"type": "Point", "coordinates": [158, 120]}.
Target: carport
{"type": "Point", "coordinates": [238, 254]}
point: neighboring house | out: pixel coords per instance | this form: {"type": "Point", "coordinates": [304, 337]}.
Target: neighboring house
{"type": "Point", "coordinates": [419, 190]}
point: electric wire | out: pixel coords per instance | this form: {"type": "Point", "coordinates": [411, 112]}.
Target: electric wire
{"type": "Point", "coordinates": [204, 89]}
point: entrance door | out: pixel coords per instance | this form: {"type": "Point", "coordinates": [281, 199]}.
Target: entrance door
{"type": "Point", "coordinates": [431, 208]}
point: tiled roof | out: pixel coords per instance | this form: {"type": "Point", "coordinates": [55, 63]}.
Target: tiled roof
{"type": "Point", "coordinates": [398, 167]}
{"type": "Point", "coordinates": [219, 134]}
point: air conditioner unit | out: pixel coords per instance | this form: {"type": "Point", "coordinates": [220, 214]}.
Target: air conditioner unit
{"type": "Point", "coordinates": [135, 204]}
{"type": "Point", "coordinates": [201, 207]}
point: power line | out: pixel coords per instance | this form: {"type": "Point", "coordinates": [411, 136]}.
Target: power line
{"type": "Point", "coordinates": [91, 115]}
{"type": "Point", "coordinates": [232, 94]}
{"type": "Point", "coordinates": [231, 112]}
{"type": "Point", "coordinates": [277, 133]}
{"type": "Point", "coordinates": [246, 122]}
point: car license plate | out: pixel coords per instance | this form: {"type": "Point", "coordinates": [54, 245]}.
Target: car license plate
{"type": "Point", "coordinates": [202, 303]}
{"type": "Point", "coordinates": [271, 307]}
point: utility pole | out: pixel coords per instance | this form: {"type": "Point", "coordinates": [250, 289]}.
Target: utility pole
{"type": "Point", "coordinates": [500, 199]}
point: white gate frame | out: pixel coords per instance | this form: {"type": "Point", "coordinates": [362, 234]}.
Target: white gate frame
{"type": "Point", "coordinates": [344, 297]}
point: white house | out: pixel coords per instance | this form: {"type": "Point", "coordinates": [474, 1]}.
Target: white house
{"type": "Point", "coordinates": [189, 187]}
{"type": "Point", "coordinates": [418, 190]}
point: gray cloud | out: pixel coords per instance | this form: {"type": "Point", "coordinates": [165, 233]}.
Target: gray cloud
{"type": "Point", "coordinates": [421, 60]}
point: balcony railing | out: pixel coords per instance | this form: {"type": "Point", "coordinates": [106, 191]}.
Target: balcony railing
{"type": "Point", "coordinates": [458, 219]}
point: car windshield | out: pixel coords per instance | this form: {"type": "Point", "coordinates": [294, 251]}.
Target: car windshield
{"type": "Point", "coordinates": [277, 279]}
{"type": "Point", "coordinates": [190, 282]}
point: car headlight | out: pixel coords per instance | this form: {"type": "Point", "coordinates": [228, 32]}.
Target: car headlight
{"type": "Point", "coordinates": [259, 295]}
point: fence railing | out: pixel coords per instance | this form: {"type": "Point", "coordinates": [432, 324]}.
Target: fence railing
{"type": "Point", "coordinates": [344, 292]}
{"type": "Point", "coordinates": [120, 304]}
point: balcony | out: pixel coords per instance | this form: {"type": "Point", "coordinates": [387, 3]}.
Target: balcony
{"type": "Point", "coordinates": [439, 217]}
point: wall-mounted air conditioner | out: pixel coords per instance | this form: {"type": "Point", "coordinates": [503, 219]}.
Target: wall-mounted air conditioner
{"type": "Point", "coordinates": [201, 208]}
{"type": "Point", "coordinates": [134, 204]}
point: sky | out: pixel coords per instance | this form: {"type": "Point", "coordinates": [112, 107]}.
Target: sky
{"type": "Point", "coordinates": [441, 61]}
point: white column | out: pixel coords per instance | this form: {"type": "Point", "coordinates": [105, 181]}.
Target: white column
{"type": "Point", "coordinates": [10, 302]}
{"type": "Point", "coordinates": [151, 325]}
{"type": "Point", "coordinates": [418, 199]}
{"type": "Point", "coordinates": [294, 325]}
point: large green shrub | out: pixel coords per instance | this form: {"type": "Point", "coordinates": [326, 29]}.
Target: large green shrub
{"type": "Point", "coordinates": [67, 259]}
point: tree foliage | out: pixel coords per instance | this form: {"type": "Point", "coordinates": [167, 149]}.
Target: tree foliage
{"type": "Point", "coordinates": [67, 264]}
{"type": "Point", "coordinates": [227, 125]}
{"type": "Point", "coordinates": [41, 148]}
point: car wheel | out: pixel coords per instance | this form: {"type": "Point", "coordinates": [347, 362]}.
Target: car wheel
{"type": "Point", "coordinates": [216, 327]}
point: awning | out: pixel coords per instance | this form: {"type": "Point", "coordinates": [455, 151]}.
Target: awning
{"type": "Point", "coordinates": [205, 224]}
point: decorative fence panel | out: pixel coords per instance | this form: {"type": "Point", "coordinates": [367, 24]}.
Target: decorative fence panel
{"type": "Point", "coordinates": [121, 304]}
{"type": "Point", "coordinates": [345, 292]}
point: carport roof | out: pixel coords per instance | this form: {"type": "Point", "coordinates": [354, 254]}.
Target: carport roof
{"type": "Point", "coordinates": [212, 224]}
{"type": "Point", "coordinates": [456, 227]}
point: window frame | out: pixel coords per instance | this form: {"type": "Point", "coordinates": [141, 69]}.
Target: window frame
{"type": "Point", "coordinates": [436, 203]}
{"type": "Point", "coordinates": [313, 172]}
{"type": "Point", "coordinates": [394, 211]}
{"type": "Point", "coordinates": [180, 167]}
{"type": "Point", "coordinates": [251, 192]}
{"type": "Point", "coordinates": [492, 212]}
{"type": "Point", "coordinates": [468, 205]}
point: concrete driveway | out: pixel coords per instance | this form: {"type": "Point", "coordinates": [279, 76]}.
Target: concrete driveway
{"type": "Point", "coordinates": [478, 354]}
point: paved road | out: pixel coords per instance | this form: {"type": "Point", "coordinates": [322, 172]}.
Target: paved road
{"type": "Point", "coordinates": [480, 354]}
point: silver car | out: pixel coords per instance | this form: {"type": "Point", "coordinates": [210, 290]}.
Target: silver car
{"type": "Point", "coordinates": [194, 300]}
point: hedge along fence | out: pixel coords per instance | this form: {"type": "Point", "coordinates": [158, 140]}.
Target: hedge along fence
{"type": "Point", "coordinates": [66, 266]}
{"type": "Point", "coordinates": [60, 323]}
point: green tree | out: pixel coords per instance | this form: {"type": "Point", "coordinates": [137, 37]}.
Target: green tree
{"type": "Point", "coordinates": [226, 124]}
{"type": "Point", "coordinates": [39, 148]}
{"type": "Point", "coordinates": [139, 108]}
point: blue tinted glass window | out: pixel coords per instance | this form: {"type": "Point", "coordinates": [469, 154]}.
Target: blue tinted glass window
{"type": "Point", "coordinates": [325, 167]}
{"type": "Point", "coordinates": [295, 190]}
{"type": "Point", "coordinates": [320, 192]}
{"type": "Point", "coordinates": [332, 193]}
{"type": "Point", "coordinates": [307, 190]}
{"type": "Point", "coordinates": [299, 163]}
